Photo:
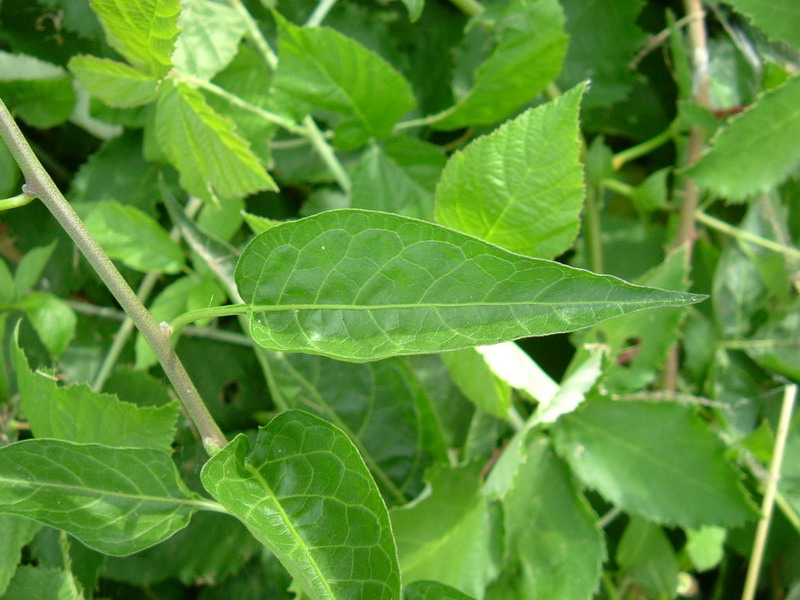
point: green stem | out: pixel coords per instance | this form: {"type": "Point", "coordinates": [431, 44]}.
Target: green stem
{"type": "Point", "coordinates": [16, 201]}
{"type": "Point", "coordinates": [255, 34]}
{"type": "Point", "coordinates": [320, 12]}
{"type": "Point", "coordinates": [326, 153]}
{"type": "Point", "coordinates": [646, 147]}
{"type": "Point", "coordinates": [615, 185]}
{"type": "Point", "coordinates": [471, 8]}
{"type": "Point", "coordinates": [592, 230]}
{"type": "Point", "coordinates": [421, 122]}
{"type": "Point", "coordinates": [235, 100]}
{"type": "Point", "coordinates": [212, 312]}
{"type": "Point", "coordinates": [768, 503]}
{"type": "Point", "coordinates": [745, 236]}
{"type": "Point", "coordinates": [39, 183]}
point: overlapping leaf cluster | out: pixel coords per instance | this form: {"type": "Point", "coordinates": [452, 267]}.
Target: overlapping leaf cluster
{"type": "Point", "coordinates": [389, 438]}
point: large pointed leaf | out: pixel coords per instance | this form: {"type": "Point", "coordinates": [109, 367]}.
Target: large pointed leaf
{"type": "Point", "coordinates": [212, 159]}
{"type": "Point", "coordinates": [114, 500]}
{"type": "Point", "coordinates": [330, 71]}
{"type": "Point", "coordinates": [523, 182]}
{"type": "Point", "coordinates": [79, 414]}
{"type": "Point", "coordinates": [531, 44]}
{"type": "Point", "coordinates": [144, 31]}
{"type": "Point", "coordinates": [381, 405]}
{"type": "Point", "coordinates": [778, 18]}
{"type": "Point", "coordinates": [654, 459]}
{"type": "Point", "coordinates": [447, 536]}
{"type": "Point", "coordinates": [362, 285]}
{"type": "Point", "coordinates": [758, 150]}
{"type": "Point", "coordinates": [555, 547]}
{"type": "Point", "coordinates": [304, 492]}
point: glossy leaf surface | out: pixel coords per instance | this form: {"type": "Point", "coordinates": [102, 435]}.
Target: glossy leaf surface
{"type": "Point", "coordinates": [523, 182]}
{"type": "Point", "coordinates": [657, 460]}
{"type": "Point", "coordinates": [115, 500]}
{"type": "Point", "coordinates": [362, 285]}
{"type": "Point", "coordinates": [304, 492]}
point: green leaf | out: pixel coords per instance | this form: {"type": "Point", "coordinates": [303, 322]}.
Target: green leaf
{"type": "Point", "coordinates": [398, 176]}
{"type": "Point", "coordinates": [209, 38]}
{"type": "Point", "coordinates": [477, 381]}
{"type": "Point", "coordinates": [30, 268]}
{"type": "Point", "coordinates": [115, 500]}
{"type": "Point", "coordinates": [572, 391]}
{"type": "Point", "coordinates": [361, 285]}
{"type": "Point", "coordinates": [257, 223]}
{"type": "Point", "coordinates": [758, 150]}
{"type": "Point", "coordinates": [9, 174]}
{"type": "Point", "coordinates": [647, 557]}
{"type": "Point", "coordinates": [530, 48]}
{"type": "Point", "coordinates": [520, 187]}
{"type": "Point", "coordinates": [776, 345]}
{"type": "Point", "coordinates": [776, 18]}
{"type": "Point", "coordinates": [129, 235]}
{"type": "Point", "coordinates": [329, 71]}
{"type": "Point", "coordinates": [639, 343]}
{"type": "Point", "coordinates": [40, 93]}
{"type": "Point", "coordinates": [144, 31]}
{"type": "Point", "coordinates": [433, 590]}
{"type": "Point", "coordinates": [7, 285]}
{"type": "Point", "coordinates": [555, 546]}
{"type": "Point", "coordinates": [705, 547]}
{"type": "Point", "coordinates": [36, 583]}
{"type": "Point", "coordinates": [17, 532]}
{"type": "Point", "coordinates": [115, 83]}
{"type": "Point", "coordinates": [52, 318]}
{"type": "Point", "coordinates": [212, 159]}
{"type": "Point", "coordinates": [603, 40]}
{"type": "Point", "coordinates": [304, 492]}
{"type": "Point", "coordinates": [447, 536]}
{"type": "Point", "coordinates": [513, 365]}
{"type": "Point", "coordinates": [657, 460]}
{"type": "Point", "coordinates": [381, 406]}
{"type": "Point", "coordinates": [76, 413]}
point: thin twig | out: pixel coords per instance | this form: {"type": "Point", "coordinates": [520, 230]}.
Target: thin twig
{"type": "Point", "coordinates": [745, 236]}
{"type": "Point", "coordinates": [39, 183]}
{"type": "Point", "coordinates": [255, 34]}
{"type": "Point", "coordinates": [320, 12]}
{"type": "Point", "coordinates": [768, 503]}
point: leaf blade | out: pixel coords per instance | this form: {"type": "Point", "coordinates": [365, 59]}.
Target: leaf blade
{"type": "Point", "coordinates": [361, 285]}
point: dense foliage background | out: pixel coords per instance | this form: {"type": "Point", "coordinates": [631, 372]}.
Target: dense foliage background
{"type": "Point", "coordinates": [625, 460]}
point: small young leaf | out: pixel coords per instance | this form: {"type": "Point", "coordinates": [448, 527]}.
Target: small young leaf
{"type": "Point", "coordinates": [30, 268]}
{"type": "Point", "coordinates": [758, 150]}
{"type": "Point", "coordinates": [572, 391]}
{"type": "Point", "coordinates": [513, 365]}
{"type": "Point", "coordinates": [524, 182]}
{"type": "Point", "coordinates": [433, 590]}
{"type": "Point", "coordinates": [473, 376]}
{"type": "Point", "coordinates": [304, 492]}
{"type": "Point", "coordinates": [17, 532]}
{"type": "Point", "coordinates": [78, 414]}
{"type": "Point", "coordinates": [212, 159]}
{"type": "Point", "coordinates": [777, 18]}
{"type": "Point", "coordinates": [705, 547]}
{"type": "Point", "coordinates": [209, 38]}
{"type": "Point", "coordinates": [657, 460]}
{"type": "Point", "coordinates": [330, 71]}
{"type": "Point", "coordinates": [52, 318]}
{"type": "Point", "coordinates": [399, 176]}
{"type": "Point", "coordinates": [115, 83]}
{"type": "Point", "coordinates": [361, 285]}
{"type": "Point", "coordinates": [556, 548]}
{"type": "Point", "coordinates": [447, 536]}
{"type": "Point", "coordinates": [529, 52]}
{"type": "Point", "coordinates": [647, 557]}
{"type": "Point", "coordinates": [115, 500]}
{"type": "Point", "coordinates": [144, 31]}
{"type": "Point", "coordinates": [129, 235]}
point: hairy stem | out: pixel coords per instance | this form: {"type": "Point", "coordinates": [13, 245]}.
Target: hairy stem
{"type": "Point", "coordinates": [39, 183]}
{"type": "Point", "coordinates": [768, 503]}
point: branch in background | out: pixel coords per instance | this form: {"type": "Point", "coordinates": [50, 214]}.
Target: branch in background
{"type": "Point", "coordinates": [39, 183]}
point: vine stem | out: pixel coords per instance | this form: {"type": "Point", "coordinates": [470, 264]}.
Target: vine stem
{"type": "Point", "coordinates": [745, 236]}
{"type": "Point", "coordinates": [39, 183]}
{"type": "Point", "coordinates": [768, 503]}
